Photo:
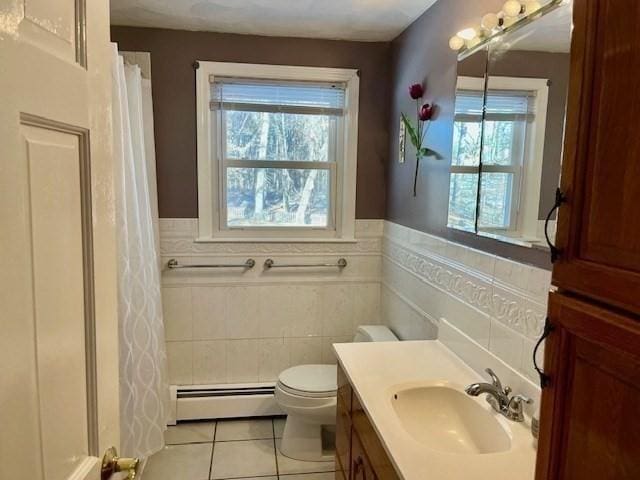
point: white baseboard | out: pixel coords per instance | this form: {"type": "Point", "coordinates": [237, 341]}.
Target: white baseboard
{"type": "Point", "coordinates": [223, 405]}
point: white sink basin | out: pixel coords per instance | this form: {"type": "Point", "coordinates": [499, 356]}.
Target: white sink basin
{"type": "Point", "coordinates": [446, 419]}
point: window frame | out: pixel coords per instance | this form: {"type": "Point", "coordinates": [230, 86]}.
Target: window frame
{"type": "Point", "coordinates": [211, 159]}
{"type": "Point", "coordinates": [527, 177]}
{"type": "Point", "coordinates": [470, 84]}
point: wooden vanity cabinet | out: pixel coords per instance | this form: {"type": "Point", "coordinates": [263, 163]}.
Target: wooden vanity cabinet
{"type": "Point", "coordinates": [590, 411]}
{"type": "Point", "coordinates": [361, 468]}
{"type": "Point", "coordinates": [599, 224]}
{"type": "Point", "coordinates": [590, 422]}
{"type": "Point", "coordinates": [359, 452]}
{"type": "Point", "coordinates": [343, 428]}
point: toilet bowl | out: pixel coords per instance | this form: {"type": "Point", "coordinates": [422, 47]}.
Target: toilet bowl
{"type": "Point", "coordinates": [307, 394]}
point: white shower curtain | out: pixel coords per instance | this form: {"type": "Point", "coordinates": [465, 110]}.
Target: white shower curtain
{"type": "Point", "coordinates": [144, 391]}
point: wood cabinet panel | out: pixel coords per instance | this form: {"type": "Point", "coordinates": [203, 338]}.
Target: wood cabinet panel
{"type": "Point", "coordinates": [599, 226]}
{"type": "Point", "coordinates": [590, 418]}
{"type": "Point", "coordinates": [344, 389]}
{"type": "Point", "coordinates": [359, 452]}
{"type": "Point", "coordinates": [380, 462]}
{"type": "Point", "coordinates": [361, 467]}
{"type": "Point", "coordinates": [343, 439]}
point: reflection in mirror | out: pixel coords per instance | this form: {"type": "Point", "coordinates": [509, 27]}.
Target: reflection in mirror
{"type": "Point", "coordinates": [467, 138]}
{"type": "Point", "coordinates": [527, 81]}
{"type": "Point", "coordinates": [509, 128]}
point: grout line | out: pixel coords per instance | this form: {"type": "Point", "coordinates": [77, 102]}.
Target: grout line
{"type": "Point", "coordinates": [243, 440]}
{"type": "Point", "coordinates": [246, 478]}
{"type": "Point", "coordinates": [188, 443]}
{"type": "Point", "coordinates": [283, 476]}
{"type": "Point", "coordinates": [275, 447]}
{"type": "Point", "coordinates": [213, 446]}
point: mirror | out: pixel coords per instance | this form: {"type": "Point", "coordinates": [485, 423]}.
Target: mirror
{"type": "Point", "coordinates": [523, 115]}
{"type": "Point", "coordinates": [467, 141]}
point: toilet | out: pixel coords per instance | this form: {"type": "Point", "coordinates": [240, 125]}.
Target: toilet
{"type": "Point", "coordinates": [307, 394]}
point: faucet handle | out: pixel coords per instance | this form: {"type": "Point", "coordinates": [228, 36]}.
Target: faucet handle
{"type": "Point", "coordinates": [515, 407]}
{"type": "Point", "coordinates": [494, 379]}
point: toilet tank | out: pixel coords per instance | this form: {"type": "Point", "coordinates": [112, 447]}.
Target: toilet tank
{"type": "Point", "coordinates": [374, 333]}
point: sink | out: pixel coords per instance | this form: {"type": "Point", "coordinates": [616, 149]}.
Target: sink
{"type": "Point", "coordinates": [446, 419]}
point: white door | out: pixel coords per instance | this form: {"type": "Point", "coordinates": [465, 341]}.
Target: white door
{"type": "Point", "coordinates": [58, 311]}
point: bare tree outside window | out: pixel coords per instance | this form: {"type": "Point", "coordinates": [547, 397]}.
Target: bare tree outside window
{"type": "Point", "coordinates": [277, 195]}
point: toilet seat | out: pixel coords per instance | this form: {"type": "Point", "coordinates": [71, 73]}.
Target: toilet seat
{"type": "Point", "coordinates": [313, 381]}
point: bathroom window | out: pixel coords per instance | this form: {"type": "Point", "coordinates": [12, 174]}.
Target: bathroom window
{"type": "Point", "coordinates": [507, 114]}
{"type": "Point", "coordinates": [276, 152]}
{"type": "Point", "coordinates": [465, 164]}
{"type": "Point", "coordinates": [496, 154]}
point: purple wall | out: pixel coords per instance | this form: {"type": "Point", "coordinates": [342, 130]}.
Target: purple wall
{"type": "Point", "coordinates": [422, 53]}
{"type": "Point", "coordinates": [173, 53]}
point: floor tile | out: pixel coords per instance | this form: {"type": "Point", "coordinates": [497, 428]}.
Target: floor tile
{"type": "Point", "coordinates": [259, 429]}
{"type": "Point", "coordinates": [278, 426]}
{"type": "Point", "coordinates": [249, 458]}
{"type": "Point", "coordinates": [186, 462]}
{"type": "Point", "coordinates": [192, 432]}
{"type": "Point", "coordinates": [310, 476]}
{"type": "Point", "coordinates": [289, 465]}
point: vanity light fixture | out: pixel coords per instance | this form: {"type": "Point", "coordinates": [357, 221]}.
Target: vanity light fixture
{"type": "Point", "coordinates": [490, 21]}
{"type": "Point", "coordinates": [456, 43]}
{"type": "Point", "coordinates": [467, 34]}
{"type": "Point", "coordinates": [512, 8]}
{"type": "Point", "coordinates": [513, 11]}
{"type": "Point", "coordinates": [532, 6]}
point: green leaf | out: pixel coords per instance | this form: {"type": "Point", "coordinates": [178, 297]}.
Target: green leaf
{"type": "Point", "coordinates": [412, 131]}
{"type": "Point", "coordinates": [427, 152]}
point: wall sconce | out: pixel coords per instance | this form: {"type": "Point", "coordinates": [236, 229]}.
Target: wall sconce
{"type": "Point", "coordinates": [491, 23]}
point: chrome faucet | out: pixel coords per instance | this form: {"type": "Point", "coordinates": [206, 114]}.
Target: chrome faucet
{"type": "Point", "coordinates": [498, 397]}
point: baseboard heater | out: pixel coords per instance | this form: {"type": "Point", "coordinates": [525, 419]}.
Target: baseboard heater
{"type": "Point", "coordinates": [200, 402]}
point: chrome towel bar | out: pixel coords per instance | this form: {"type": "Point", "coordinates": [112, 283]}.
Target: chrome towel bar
{"type": "Point", "coordinates": [269, 264]}
{"type": "Point", "coordinates": [249, 264]}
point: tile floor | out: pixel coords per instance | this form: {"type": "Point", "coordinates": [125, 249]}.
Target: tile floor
{"type": "Point", "coordinates": [230, 449]}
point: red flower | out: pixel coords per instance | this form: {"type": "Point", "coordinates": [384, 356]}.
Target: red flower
{"type": "Point", "coordinates": [416, 91]}
{"type": "Point", "coordinates": [426, 112]}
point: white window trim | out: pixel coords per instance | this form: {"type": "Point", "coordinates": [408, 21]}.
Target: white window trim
{"type": "Point", "coordinates": [525, 223]}
{"type": "Point", "coordinates": [209, 198]}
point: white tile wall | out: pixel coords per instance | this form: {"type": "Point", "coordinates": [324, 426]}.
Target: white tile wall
{"type": "Point", "coordinates": [229, 326]}
{"type": "Point", "coordinates": [233, 327]}
{"type": "Point", "coordinates": [492, 304]}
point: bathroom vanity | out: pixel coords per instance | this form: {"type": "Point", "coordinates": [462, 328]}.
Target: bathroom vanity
{"type": "Point", "coordinates": [403, 414]}
{"type": "Point", "coordinates": [359, 451]}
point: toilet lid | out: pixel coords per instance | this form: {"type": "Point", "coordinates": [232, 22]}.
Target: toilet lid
{"type": "Point", "coordinates": [311, 378]}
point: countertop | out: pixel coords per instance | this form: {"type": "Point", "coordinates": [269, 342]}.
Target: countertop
{"type": "Point", "coordinates": [377, 370]}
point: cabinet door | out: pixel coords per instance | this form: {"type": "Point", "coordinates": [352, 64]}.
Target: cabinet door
{"type": "Point", "coordinates": [363, 431]}
{"type": "Point", "coordinates": [599, 225]}
{"type": "Point", "coordinates": [590, 417]}
{"type": "Point", "coordinates": [343, 429]}
{"type": "Point", "coordinates": [361, 468]}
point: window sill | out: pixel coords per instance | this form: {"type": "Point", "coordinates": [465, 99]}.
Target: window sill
{"type": "Point", "coordinates": [275, 240]}
{"type": "Point", "coordinates": [520, 241]}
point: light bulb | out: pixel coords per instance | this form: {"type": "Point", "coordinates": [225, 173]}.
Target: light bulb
{"type": "Point", "coordinates": [456, 43]}
{"type": "Point", "coordinates": [512, 8]}
{"type": "Point", "coordinates": [508, 21]}
{"type": "Point", "coordinates": [532, 6]}
{"type": "Point", "coordinates": [472, 42]}
{"type": "Point", "coordinates": [467, 33]}
{"type": "Point", "coordinates": [490, 21]}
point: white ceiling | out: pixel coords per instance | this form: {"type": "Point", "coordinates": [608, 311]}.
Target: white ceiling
{"type": "Point", "coordinates": [366, 20]}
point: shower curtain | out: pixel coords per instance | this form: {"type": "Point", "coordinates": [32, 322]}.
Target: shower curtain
{"type": "Point", "coordinates": [144, 391]}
